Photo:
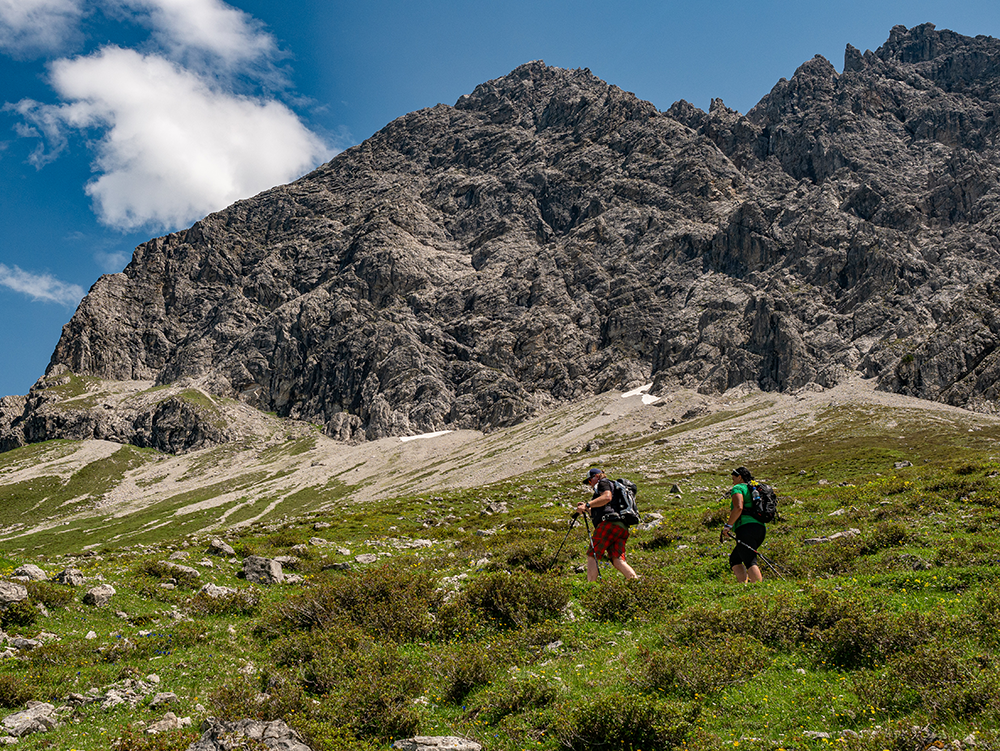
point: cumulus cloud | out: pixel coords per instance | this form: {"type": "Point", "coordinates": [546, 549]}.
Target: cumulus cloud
{"type": "Point", "coordinates": [175, 147]}
{"type": "Point", "coordinates": [30, 27]}
{"type": "Point", "coordinates": [42, 287]}
{"type": "Point", "coordinates": [192, 30]}
{"type": "Point", "coordinates": [173, 137]}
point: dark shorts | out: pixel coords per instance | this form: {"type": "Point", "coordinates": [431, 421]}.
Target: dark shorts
{"type": "Point", "coordinates": [608, 538]}
{"type": "Point", "coordinates": [751, 534]}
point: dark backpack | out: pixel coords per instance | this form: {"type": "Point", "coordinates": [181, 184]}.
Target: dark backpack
{"type": "Point", "coordinates": [622, 507]}
{"type": "Point", "coordinates": [765, 501]}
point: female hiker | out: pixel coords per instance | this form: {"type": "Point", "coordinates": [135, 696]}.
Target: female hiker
{"type": "Point", "coordinates": [748, 532]}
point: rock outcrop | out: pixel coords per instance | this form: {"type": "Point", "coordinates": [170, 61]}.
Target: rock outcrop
{"type": "Point", "coordinates": [551, 236]}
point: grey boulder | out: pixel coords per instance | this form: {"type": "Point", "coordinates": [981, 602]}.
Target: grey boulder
{"type": "Point", "coordinates": [262, 570]}
{"type": "Point", "coordinates": [99, 596]}
{"type": "Point", "coordinates": [221, 736]}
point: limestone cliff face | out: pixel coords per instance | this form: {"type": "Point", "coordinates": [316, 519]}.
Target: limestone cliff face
{"type": "Point", "coordinates": [551, 236]}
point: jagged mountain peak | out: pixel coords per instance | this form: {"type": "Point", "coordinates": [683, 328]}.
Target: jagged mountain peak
{"type": "Point", "coordinates": [538, 96]}
{"type": "Point", "coordinates": [552, 236]}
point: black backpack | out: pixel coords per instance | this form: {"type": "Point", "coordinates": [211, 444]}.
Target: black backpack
{"type": "Point", "coordinates": [622, 507]}
{"type": "Point", "coordinates": [765, 501]}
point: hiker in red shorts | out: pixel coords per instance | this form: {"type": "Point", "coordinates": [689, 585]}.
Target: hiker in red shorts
{"type": "Point", "coordinates": [609, 536]}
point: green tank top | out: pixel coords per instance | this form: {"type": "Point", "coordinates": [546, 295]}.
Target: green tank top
{"type": "Point", "coordinates": [745, 517]}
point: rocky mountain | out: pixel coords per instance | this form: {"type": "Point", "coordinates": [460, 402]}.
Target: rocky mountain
{"type": "Point", "coordinates": [551, 236]}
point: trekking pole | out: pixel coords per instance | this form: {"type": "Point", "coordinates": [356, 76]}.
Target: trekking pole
{"type": "Point", "coordinates": [593, 546]}
{"type": "Point", "coordinates": [573, 517]}
{"type": "Point", "coordinates": [760, 555]}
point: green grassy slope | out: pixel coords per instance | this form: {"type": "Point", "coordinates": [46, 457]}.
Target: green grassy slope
{"type": "Point", "coordinates": [486, 629]}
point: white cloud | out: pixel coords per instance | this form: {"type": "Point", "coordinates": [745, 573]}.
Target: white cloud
{"type": "Point", "coordinates": [175, 147]}
{"type": "Point", "coordinates": [173, 139]}
{"type": "Point", "coordinates": [40, 286]}
{"type": "Point", "coordinates": [190, 29]}
{"type": "Point", "coordinates": [29, 27]}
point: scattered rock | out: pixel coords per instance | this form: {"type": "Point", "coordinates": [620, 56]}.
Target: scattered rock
{"type": "Point", "coordinates": [902, 465]}
{"type": "Point", "coordinates": [366, 558]}
{"type": "Point", "coordinates": [262, 570]}
{"type": "Point", "coordinates": [167, 697]}
{"type": "Point", "coordinates": [220, 548]}
{"type": "Point", "coordinates": [181, 572]}
{"type": "Point", "coordinates": [11, 592]}
{"type": "Point", "coordinates": [37, 718]}
{"type": "Point", "coordinates": [214, 591]}
{"type": "Point", "coordinates": [99, 596]}
{"type": "Point", "coordinates": [71, 577]}
{"type": "Point", "coordinates": [846, 534]}
{"type": "Point", "coordinates": [223, 736]}
{"type": "Point", "coordinates": [436, 743]}
{"type": "Point", "coordinates": [495, 507]}
{"type": "Point", "coordinates": [29, 572]}
{"type": "Point", "coordinates": [169, 723]}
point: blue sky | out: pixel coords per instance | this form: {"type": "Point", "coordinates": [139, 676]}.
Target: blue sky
{"type": "Point", "coordinates": [121, 120]}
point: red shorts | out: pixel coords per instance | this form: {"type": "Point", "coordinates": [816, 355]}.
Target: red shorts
{"type": "Point", "coordinates": [608, 538]}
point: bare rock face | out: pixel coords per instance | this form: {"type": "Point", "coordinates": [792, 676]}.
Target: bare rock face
{"type": "Point", "coordinates": [551, 236]}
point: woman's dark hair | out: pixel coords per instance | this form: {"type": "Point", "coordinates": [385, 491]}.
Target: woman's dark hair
{"type": "Point", "coordinates": [744, 473]}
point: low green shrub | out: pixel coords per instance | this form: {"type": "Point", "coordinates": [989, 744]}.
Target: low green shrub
{"type": "Point", "coordinates": [662, 537]}
{"type": "Point", "coordinates": [49, 594]}
{"type": "Point", "coordinates": [620, 600]}
{"type": "Point", "coordinates": [265, 698]}
{"type": "Point", "coordinates": [889, 534]}
{"type": "Point", "coordinates": [372, 689]}
{"type": "Point", "coordinates": [833, 558]}
{"type": "Point", "coordinates": [532, 555]}
{"type": "Point", "coordinates": [696, 623]}
{"type": "Point", "coordinates": [468, 668]}
{"type": "Point", "coordinates": [706, 667]}
{"type": "Point", "coordinates": [283, 539]}
{"type": "Point", "coordinates": [514, 600]}
{"type": "Point", "coordinates": [515, 695]}
{"type": "Point", "coordinates": [18, 615]}
{"type": "Point", "coordinates": [624, 720]}
{"type": "Point", "coordinates": [244, 602]}
{"type": "Point", "coordinates": [180, 740]}
{"type": "Point", "coordinates": [779, 620]}
{"type": "Point", "coordinates": [715, 517]}
{"type": "Point", "coordinates": [935, 680]}
{"type": "Point", "coordinates": [15, 690]}
{"type": "Point", "coordinates": [152, 573]}
{"type": "Point", "coordinates": [392, 602]}
{"type": "Point", "coordinates": [865, 636]}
